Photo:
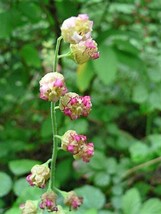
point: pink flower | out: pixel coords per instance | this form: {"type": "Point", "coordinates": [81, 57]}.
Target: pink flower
{"type": "Point", "coordinates": [84, 51]}
{"type": "Point", "coordinates": [77, 145]}
{"type": "Point", "coordinates": [52, 87]}
{"type": "Point", "coordinates": [48, 201]}
{"type": "Point", "coordinates": [76, 29]}
{"type": "Point", "coordinates": [73, 201]}
{"type": "Point", "coordinates": [86, 152]}
{"type": "Point", "coordinates": [75, 106]}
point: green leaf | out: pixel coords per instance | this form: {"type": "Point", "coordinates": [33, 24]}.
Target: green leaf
{"type": "Point", "coordinates": [102, 179]}
{"type": "Point", "coordinates": [98, 162]}
{"type": "Point", "coordinates": [64, 168]}
{"type": "Point", "coordinates": [131, 202]}
{"type": "Point", "coordinates": [46, 129]}
{"type": "Point", "coordinates": [21, 167]}
{"type": "Point", "coordinates": [152, 206]}
{"type": "Point", "coordinates": [155, 100]}
{"type": "Point", "coordinates": [92, 197]}
{"type": "Point", "coordinates": [106, 65]}
{"type": "Point", "coordinates": [29, 193]}
{"type": "Point", "coordinates": [5, 184]}
{"type": "Point", "coordinates": [140, 152]}
{"type": "Point", "coordinates": [84, 75]}
{"type": "Point", "coordinates": [140, 93]}
{"type": "Point", "coordinates": [31, 10]}
{"type": "Point", "coordinates": [155, 140]}
{"type": "Point", "coordinates": [19, 186]}
{"type": "Point", "coordinates": [14, 210]}
{"type": "Point", "coordinates": [6, 25]}
{"type": "Point", "coordinates": [80, 126]}
{"type": "Point", "coordinates": [111, 165]}
{"type": "Point", "coordinates": [30, 55]}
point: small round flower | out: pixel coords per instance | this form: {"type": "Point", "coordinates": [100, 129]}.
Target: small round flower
{"type": "Point", "coordinates": [74, 105]}
{"type": "Point", "coordinates": [84, 51]}
{"type": "Point", "coordinates": [72, 142]}
{"type": "Point", "coordinates": [73, 201]}
{"type": "Point", "coordinates": [52, 87]}
{"type": "Point", "coordinates": [76, 29]}
{"type": "Point", "coordinates": [39, 175]}
{"type": "Point", "coordinates": [86, 152]}
{"type": "Point", "coordinates": [29, 207]}
{"type": "Point", "coordinates": [48, 201]}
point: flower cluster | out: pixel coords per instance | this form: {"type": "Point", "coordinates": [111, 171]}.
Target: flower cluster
{"type": "Point", "coordinates": [77, 145]}
{"type": "Point", "coordinates": [52, 87]}
{"type": "Point", "coordinates": [74, 105]}
{"type": "Point", "coordinates": [30, 207]}
{"type": "Point", "coordinates": [39, 175]}
{"type": "Point", "coordinates": [72, 200]}
{"type": "Point", "coordinates": [77, 31]}
{"type": "Point", "coordinates": [48, 201]}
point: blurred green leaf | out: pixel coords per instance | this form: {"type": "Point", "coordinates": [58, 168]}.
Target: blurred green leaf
{"type": "Point", "coordinates": [84, 75]}
{"type": "Point", "coordinates": [46, 129]}
{"type": "Point", "coordinates": [93, 197]}
{"type": "Point", "coordinates": [140, 152]}
{"type": "Point", "coordinates": [22, 166]}
{"type": "Point", "coordinates": [102, 179]}
{"type": "Point", "coordinates": [151, 206]}
{"type": "Point", "coordinates": [6, 25]}
{"type": "Point", "coordinates": [5, 184]}
{"type": "Point", "coordinates": [140, 93]}
{"type": "Point", "coordinates": [106, 65]}
{"type": "Point", "coordinates": [30, 55]}
{"type": "Point", "coordinates": [131, 202]}
{"type": "Point", "coordinates": [19, 186]}
{"type": "Point", "coordinates": [98, 162]}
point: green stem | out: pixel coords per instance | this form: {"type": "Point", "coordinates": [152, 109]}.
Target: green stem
{"type": "Point", "coordinates": [64, 55]}
{"type": "Point", "coordinates": [55, 145]}
{"type": "Point", "coordinates": [56, 54]}
{"type": "Point", "coordinates": [58, 136]}
{"type": "Point", "coordinates": [140, 166]}
{"type": "Point", "coordinates": [54, 124]}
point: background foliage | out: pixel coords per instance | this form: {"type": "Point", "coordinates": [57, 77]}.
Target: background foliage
{"type": "Point", "coordinates": [125, 85]}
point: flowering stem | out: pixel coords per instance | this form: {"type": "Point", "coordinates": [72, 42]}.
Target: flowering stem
{"type": "Point", "coordinates": [56, 53]}
{"type": "Point", "coordinates": [54, 124]}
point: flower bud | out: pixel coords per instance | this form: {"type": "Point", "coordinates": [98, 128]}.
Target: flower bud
{"type": "Point", "coordinates": [74, 105]}
{"type": "Point", "coordinates": [52, 87]}
{"type": "Point", "coordinates": [76, 29]}
{"type": "Point", "coordinates": [48, 201]}
{"type": "Point", "coordinates": [39, 175]}
{"type": "Point", "coordinates": [72, 142]}
{"type": "Point", "coordinates": [84, 51]}
{"type": "Point", "coordinates": [72, 200]}
{"type": "Point", "coordinates": [29, 207]}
